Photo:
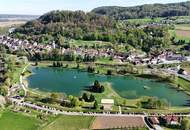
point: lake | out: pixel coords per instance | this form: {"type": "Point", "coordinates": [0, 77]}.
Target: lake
{"type": "Point", "coordinates": [72, 81]}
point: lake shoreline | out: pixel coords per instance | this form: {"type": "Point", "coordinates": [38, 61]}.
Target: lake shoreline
{"type": "Point", "coordinates": [158, 77]}
{"type": "Point", "coordinates": [137, 76]}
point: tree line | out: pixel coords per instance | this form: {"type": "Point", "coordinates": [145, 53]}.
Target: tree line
{"type": "Point", "coordinates": [143, 11]}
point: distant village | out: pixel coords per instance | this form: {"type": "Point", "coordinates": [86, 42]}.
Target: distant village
{"type": "Point", "coordinates": [166, 57]}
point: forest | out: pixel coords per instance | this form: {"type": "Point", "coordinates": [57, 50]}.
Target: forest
{"type": "Point", "coordinates": [60, 25]}
{"type": "Point", "coordinates": [143, 11]}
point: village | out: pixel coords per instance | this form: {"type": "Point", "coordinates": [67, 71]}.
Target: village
{"type": "Point", "coordinates": [166, 57]}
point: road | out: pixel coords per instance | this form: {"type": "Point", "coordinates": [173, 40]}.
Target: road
{"type": "Point", "coordinates": [170, 71]}
{"type": "Point", "coordinates": [21, 80]}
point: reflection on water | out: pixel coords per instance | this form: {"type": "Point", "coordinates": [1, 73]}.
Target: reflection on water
{"type": "Point", "coordinates": [129, 94]}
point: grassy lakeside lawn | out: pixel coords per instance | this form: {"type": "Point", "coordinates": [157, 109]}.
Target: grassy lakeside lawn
{"type": "Point", "coordinates": [16, 69]}
{"type": "Point", "coordinates": [109, 93]}
{"type": "Point", "coordinates": [82, 66]}
{"type": "Point", "coordinates": [184, 84]}
{"type": "Point", "coordinates": [17, 73]}
{"type": "Point", "coordinates": [17, 121]}
{"type": "Point", "coordinates": [70, 123]}
{"type": "Point", "coordinates": [101, 66]}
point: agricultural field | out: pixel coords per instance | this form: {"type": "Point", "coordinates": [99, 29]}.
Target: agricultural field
{"type": "Point", "coordinates": [70, 123]}
{"type": "Point", "coordinates": [183, 27]}
{"type": "Point", "coordinates": [6, 25]}
{"type": "Point", "coordinates": [181, 32]}
{"type": "Point", "coordinates": [144, 20]}
{"type": "Point", "coordinates": [11, 23]}
{"type": "Point", "coordinates": [17, 121]}
{"type": "Point", "coordinates": [117, 122]}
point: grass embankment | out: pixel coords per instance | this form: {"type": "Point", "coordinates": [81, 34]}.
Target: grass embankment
{"type": "Point", "coordinates": [17, 121]}
{"type": "Point", "coordinates": [15, 68]}
{"type": "Point", "coordinates": [183, 84]}
{"type": "Point", "coordinates": [70, 123]}
{"type": "Point", "coordinates": [98, 66]}
{"type": "Point", "coordinates": [110, 93]}
{"type": "Point", "coordinates": [16, 74]}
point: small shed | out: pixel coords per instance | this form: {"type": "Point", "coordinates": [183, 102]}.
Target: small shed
{"type": "Point", "coordinates": [107, 104]}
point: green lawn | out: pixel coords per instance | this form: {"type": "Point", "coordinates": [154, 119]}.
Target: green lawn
{"type": "Point", "coordinates": [70, 123]}
{"type": "Point", "coordinates": [17, 121]}
{"type": "Point", "coordinates": [83, 43]}
{"type": "Point", "coordinates": [183, 84]}
{"type": "Point", "coordinates": [144, 20]}
{"type": "Point", "coordinates": [16, 74]}
{"type": "Point", "coordinates": [110, 93]}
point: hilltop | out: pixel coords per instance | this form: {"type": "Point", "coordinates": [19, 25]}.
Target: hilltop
{"type": "Point", "coordinates": [147, 10]}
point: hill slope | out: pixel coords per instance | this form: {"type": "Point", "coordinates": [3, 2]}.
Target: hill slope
{"type": "Point", "coordinates": [58, 25]}
{"type": "Point", "coordinates": [149, 10]}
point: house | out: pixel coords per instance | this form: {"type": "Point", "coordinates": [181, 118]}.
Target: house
{"type": "Point", "coordinates": [11, 30]}
{"type": "Point", "coordinates": [182, 71]}
{"type": "Point", "coordinates": [107, 104]}
{"type": "Point", "coordinates": [171, 120]}
{"type": "Point", "coordinates": [175, 57]}
{"type": "Point", "coordinates": [2, 66]}
{"type": "Point", "coordinates": [154, 120]}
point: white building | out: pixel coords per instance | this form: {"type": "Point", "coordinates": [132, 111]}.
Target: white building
{"type": "Point", "coordinates": [107, 104]}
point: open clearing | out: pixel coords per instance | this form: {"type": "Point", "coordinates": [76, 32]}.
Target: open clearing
{"type": "Point", "coordinates": [70, 123]}
{"type": "Point", "coordinates": [17, 121]}
{"type": "Point", "coordinates": [117, 122]}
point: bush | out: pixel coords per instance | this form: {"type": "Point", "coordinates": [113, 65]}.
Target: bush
{"type": "Point", "coordinates": [109, 72]}
{"type": "Point", "coordinates": [90, 69]}
{"type": "Point", "coordinates": [97, 87]}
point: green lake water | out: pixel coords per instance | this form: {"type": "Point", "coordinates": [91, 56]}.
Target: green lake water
{"type": "Point", "coordinates": [71, 81]}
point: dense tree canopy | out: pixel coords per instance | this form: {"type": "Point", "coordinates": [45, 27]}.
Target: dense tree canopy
{"type": "Point", "coordinates": [58, 25]}
{"type": "Point", "coordinates": [151, 10]}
